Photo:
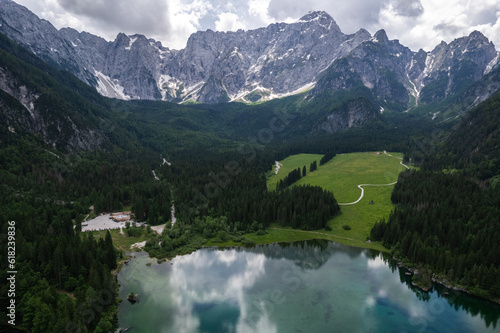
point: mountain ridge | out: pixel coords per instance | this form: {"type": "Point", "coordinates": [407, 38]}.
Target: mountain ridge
{"type": "Point", "coordinates": [256, 65]}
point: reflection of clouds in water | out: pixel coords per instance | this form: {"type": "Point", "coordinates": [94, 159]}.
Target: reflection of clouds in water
{"type": "Point", "coordinates": [250, 292]}
{"type": "Point", "coordinates": [370, 301]}
{"type": "Point", "coordinates": [389, 287]}
{"type": "Point", "coordinates": [376, 263]}
{"type": "Point", "coordinates": [229, 279]}
{"type": "Point", "coordinates": [227, 257]}
{"type": "Point", "coordinates": [262, 324]}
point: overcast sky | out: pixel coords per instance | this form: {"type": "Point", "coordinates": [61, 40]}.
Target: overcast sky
{"type": "Point", "coordinates": [416, 23]}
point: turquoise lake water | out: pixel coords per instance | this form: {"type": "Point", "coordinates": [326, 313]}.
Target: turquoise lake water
{"type": "Point", "coordinates": [310, 286]}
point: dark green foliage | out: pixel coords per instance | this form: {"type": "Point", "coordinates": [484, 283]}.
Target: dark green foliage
{"type": "Point", "coordinates": [52, 259]}
{"type": "Point", "coordinates": [291, 178]}
{"type": "Point", "coordinates": [474, 145]}
{"type": "Point", "coordinates": [304, 207]}
{"type": "Point", "coordinates": [326, 158]}
{"type": "Point", "coordinates": [208, 187]}
{"type": "Point", "coordinates": [313, 166]}
{"type": "Point", "coordinates": [448, 223]}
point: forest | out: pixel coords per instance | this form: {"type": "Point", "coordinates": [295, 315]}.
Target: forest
{"type": "Point", "coordinates": [446, 218]}
{"type": "Point", "coordinates": [449, 224]}
{"type": "Point", "coordinates": [63, 281]}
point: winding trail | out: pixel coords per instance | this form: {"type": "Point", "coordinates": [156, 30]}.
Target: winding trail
{"type": "Point", "coordinates": [363, 193]}
{"type": "Point", "coordinates": [401, 162]}
{"type": "Point", "coordinates": [278, 166]}
{"type": "Point", "coordinates": [360, 186]}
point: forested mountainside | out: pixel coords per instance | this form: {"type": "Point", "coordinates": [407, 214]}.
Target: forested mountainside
{"type": "Point", "coordinates": [446, 221]}
{"type": "Point", "coordinates": [474, 144]}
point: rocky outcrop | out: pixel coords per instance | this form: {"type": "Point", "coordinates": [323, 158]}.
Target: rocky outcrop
{"type": "Point", "coordinates": [400, 78]}
{"type": "Point", "coordinates": [21, 109]}
{"type": "Point", "coordinates": [351, 114]}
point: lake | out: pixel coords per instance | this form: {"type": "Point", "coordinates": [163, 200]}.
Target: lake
{"type": "Point", "coordinates": [309, 286]}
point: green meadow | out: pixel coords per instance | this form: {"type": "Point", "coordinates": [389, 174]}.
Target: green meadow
{"type": "Point", "coordinates": [288, 164]}
{"type": "Point", "coordinates": [342, 175]}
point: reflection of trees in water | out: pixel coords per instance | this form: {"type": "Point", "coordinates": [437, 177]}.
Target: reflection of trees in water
{"type": "Point", "coordinates": [488, 311]}
{"type": "Point", "coordinates": [308, 254]}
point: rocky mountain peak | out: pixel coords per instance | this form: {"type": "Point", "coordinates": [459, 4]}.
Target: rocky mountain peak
{"type": "Point", "coordinates": [316, 15]}
{"type": "Point", "coordinates": [477, 35]}
{"type": "Point", "coordinates": [322, 18]}
{"type": "Point", "coordinates": [381, 37]}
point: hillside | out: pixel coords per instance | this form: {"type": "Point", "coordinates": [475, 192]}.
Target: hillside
{"type": "Point", "coordinates": [474, 144]}
{"type": "Point", "coordinates": [445, 224]}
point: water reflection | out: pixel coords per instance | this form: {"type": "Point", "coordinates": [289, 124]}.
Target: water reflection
{"type": "Point", "coordinates": [305, 286]}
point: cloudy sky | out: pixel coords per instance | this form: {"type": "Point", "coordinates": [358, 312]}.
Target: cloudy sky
{"type": "Point", "coordinates": [416, 23]}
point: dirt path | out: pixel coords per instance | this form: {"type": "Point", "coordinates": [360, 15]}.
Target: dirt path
{"type": "Point", "coordinates": [397, 157]}
{"type": "Point", "coordinates": [278, 166]}
{"type": "Point", "coordinates": [363, 193]}
{"type": "Point", "coordinates": [360, 186]}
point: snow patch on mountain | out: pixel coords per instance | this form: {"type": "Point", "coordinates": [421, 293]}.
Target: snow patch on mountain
{"type": "Point", "coordinates": [109, 88]}
{"type": "Point", "coordinates": [492, 64]}
{"type": "Point", "coordinates": [132, 41]}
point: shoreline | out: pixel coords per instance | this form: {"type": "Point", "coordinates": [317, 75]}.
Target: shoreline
{"type": "Point", "coordinates": [441, 280]}
{"type": "Point", "coordinates": [434, 277]}
{"type": "Point", "coordinates": [303, 235]}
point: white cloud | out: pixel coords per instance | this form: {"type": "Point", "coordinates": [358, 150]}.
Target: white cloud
{"type": "Point", "coordinates": [228, 22]}
{"type": "Point", "coordinates": [416, 23]}
{"type": "Point", "coordinates": [171, 22]}
{"type": "Point", "coordinates": [259, 10]}
{"type": "Point", "coordinates": [442, 21]}
{"type": "Point", "coordinates": [184, 20]}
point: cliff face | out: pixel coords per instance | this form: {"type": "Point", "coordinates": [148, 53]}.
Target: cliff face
{"type": "Point", "coordinates": [35, 98]}
{"type": "Point", "coordinates": [215, 66]}
{"type": "Point", "coordinates": [351, 114]}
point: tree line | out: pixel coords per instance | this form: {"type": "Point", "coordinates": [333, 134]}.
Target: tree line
{"type": "Point", "coordinates": [449, 224]}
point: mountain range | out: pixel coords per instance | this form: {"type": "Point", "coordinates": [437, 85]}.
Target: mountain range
{"type": "Point", "coordinates": [311, 55]}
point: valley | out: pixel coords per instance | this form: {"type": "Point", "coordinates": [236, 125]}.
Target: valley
{"type": "Point", "coordinates": [244, 155]}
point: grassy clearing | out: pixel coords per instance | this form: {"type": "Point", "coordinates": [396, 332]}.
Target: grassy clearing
{"type": "Point", "coordinates": [342, 175]}
{"type": "Point", "coordinates": [288, 164]}
{"type": "Point", "coordinates": [120, 241]}
{"type": "Point", "coordinates": [345, 172]}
